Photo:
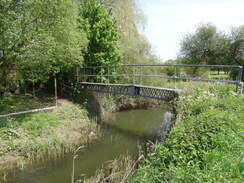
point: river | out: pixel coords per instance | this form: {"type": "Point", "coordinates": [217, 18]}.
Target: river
{"type": "Point", "coordinates": [123, 133]}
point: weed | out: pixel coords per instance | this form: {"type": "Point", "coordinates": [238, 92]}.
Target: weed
{"type": "Point", "coordinates": [46, 134]}
{"type": "Point", "coordinates": [207, 145]}
{"type": "Point", "coordinates": [118, 170]}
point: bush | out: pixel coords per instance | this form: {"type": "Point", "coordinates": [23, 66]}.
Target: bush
{"type": "Point", "coordinates": [207, 145]}
{"type": "Point", "coordinates": [234, 74]}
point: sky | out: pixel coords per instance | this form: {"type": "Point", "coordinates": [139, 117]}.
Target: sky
{"type": "Point", "coordinates": [169, 20]}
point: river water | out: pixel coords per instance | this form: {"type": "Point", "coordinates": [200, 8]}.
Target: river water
{"type": "Point", "coordinates": [123, 133]}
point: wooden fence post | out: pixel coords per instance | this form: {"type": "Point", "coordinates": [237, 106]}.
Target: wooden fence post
{"type": "Point", "coordinates": [55, 92]}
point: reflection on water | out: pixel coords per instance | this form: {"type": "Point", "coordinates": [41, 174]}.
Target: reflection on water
{"type": "Point", "coordinates": [125, 131]}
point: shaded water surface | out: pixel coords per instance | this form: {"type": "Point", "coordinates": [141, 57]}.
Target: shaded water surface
{"type": "Point", "coordinates": [124, 133]}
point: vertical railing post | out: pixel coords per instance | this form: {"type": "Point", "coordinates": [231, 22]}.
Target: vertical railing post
{"type": "Point", "coordinates": [179, 77]}
{"type": "Point", "coordinates": [108, 75]}
{"type": "Point", "coordinates": [241, 75]}
{"type": "Point", "coordinates": [133, 72]}
{"type": "Point", "coordinates": [174, 75]}
{"type": "Point", "coordinates": [101, 75]}
{"type": "Point", "coordinates": [238, 82]}
{"type": "Point", "coordinates": [140, 75]}
{"type": "Point", "coordinates": [132, 90]}
{"type": "Point", "coordinates": [84, 73]}
{"type": "Point", "coordinates": [55, 92]}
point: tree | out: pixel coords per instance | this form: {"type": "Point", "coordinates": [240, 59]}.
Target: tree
{"type": "Point", "coordinates": [102, 34]}
{"type": "Point", "coordinates": [131, 21]}
{"type": "Point", "coordinates": [236, 49]}
{"type": "Point", "coordinates": [52, 40]}
{"type": "Point", "coordinates": [131, 18]}
{"type": "Point", "coordinates": [11, 13]}
{"type": "Point", "coordinates": [236, 45]}
{"type": "Point", "coordinates": [200, 47]}
{"type": "Point", "coordinates": [40, 38]}
{"type": "Point", "coordinates": [137, 51]}
{"type": "Point", "coordinates": [206, 45]}
{"type": "Point", "coordinates": [209, 46]}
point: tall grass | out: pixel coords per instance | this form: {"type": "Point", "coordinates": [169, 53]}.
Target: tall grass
{"type": "Point", "coordinates": [46, 135]}
{"type": "Point", "coordinates": [208, 143]}
{"type": "Point", "coordinates": [118, 170]}
{"type": "Point", "coordinates": [17, 102]}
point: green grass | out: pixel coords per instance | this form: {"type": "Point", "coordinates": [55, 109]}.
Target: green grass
{"type": "Point", "coordinates": [36, 132]}
{"type": "Point", "coordinates": [17, 102]}
{"type": "Point", "coordinates": [208, 143]}
{"type": "Point", "coordinates": [40, 136]}
{"type": "Point", "coordinates": [220, 76]}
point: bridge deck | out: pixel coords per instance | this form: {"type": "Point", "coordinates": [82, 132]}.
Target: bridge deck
{"type": "Point", "coordinates": [159, 93]}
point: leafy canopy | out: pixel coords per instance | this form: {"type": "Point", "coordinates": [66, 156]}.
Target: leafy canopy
{"type": "Point", "coordinates": [41, 38]}
{"type": "Point", "coordinates": [102, 34]}
{"type": "Point", "coordinates": [53, 42]}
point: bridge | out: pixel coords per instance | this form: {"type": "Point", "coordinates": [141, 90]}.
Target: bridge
{"type": "Point", "coordinates": [151, 81]}
{"type": "Point", "coordinates": [165, 94]}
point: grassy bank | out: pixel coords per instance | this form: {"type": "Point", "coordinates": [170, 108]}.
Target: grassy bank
{"type": "Point", "coordinates": [207, 145]}
{"type": "Point", "coordinates": [16, 103]}
{"type": "Point", "coordinates": [51, 133]}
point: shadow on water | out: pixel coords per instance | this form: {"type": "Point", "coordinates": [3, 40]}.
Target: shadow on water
{"type": "Point", "coordinates": [124, 132]}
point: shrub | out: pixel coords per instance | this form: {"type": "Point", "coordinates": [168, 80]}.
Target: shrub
{"type": "Point", "coordinates": [207, 145]}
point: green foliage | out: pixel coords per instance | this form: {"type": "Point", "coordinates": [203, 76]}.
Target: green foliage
{"type": "Point", "coordinates": [236, 46]}
{"type": "Point", "coordinates": [131, 18]}
{"type": "Point", "coordinates": [117, 170]}
{"type": "Point", "coordinates": [168, 70]}
{"type": "Point", "coordinates": [137, 51]}
{"type": "Point", "coordinates": [102, 34]}
{"type": "Point", "coordinates": [39, 38]}
{"type": "Point", "coordinates": [10, 36]}
{"type": "Point", "coordinates": [9, 134]}
{"type": "Point", "coordinates": [10, 31]}
{"type": "Point", "coordinates": [207, 145]}
{"type": "Point", "coordinates": [205, 46]}
{"type": "Point", "coordinates": [16, 102]}
{"type": "Point", "coordinates": [134, 47]}
{"type": "Point", "coordinates": [195, 72]}
{"type": "Point", "coordinates": [44, 132]}
{"type": "Point", "coordinates": [37, 147]}
{"type": "Point", "coordinates": [234, 74]}
{"type": "Point", "coordinates": [53, 42]}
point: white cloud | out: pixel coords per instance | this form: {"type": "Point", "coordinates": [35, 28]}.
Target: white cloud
{"type": "Point", "coordinates": [168, 20]}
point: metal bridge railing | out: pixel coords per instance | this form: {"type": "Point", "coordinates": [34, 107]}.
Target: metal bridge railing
{"type": "Point", "coordinates": [135, 74]}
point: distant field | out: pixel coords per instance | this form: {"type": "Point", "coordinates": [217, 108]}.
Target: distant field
{"type": "Point", "coordinates": [220, 76]}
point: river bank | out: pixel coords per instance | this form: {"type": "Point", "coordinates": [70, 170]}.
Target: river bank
{"type": "Point", "coordinates": [28, 137]}
{"type": "Point", "coordinates": [206, 144]}
{"type": "Point", "coordinates": [101, 105]}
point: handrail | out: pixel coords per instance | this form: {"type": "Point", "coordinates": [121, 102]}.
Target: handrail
{"type": "Point", "coordinates": [107, 73]}
{"type": "Point", "coordinates": [179, 65]}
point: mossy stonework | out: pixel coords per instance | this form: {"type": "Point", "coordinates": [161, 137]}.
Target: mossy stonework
{"type": "Point", "coordinates": [101, 105]}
